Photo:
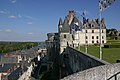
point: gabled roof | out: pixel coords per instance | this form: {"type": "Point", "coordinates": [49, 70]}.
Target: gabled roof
{"type": "Point", "coordinates": [94, 24]}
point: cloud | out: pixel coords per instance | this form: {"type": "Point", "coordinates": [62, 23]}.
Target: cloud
{"type": "Point", "coordinates": [81, 12]}
{"type": "Point", "coordinates": [3, 12]}
{"type": "Point", "coordinates": [30, 33]}
{"type": "Point", "coordinates": [13, 1]}
{"type": "Point", "coordinates": [12, 17]}
{"type": "Point", "coordinates": [86, 12]}
{"type": "Point", "coordinates": [29, 23]}
{"type": "Point", "coordinates": [29, 17]}
{"type": "Point", "coordinates": [8, 30]}
{"type": "Point", "coordinates": [13, 36]}
{"type": "Point", "coordinates": [19, 16]}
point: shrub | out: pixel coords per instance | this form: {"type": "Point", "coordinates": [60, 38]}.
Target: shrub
{"type": "Point", "coordinates": [112, 46]}
{"type": "Point", "coordinates": [106, 46]}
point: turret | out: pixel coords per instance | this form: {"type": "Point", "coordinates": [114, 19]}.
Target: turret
{"type": "Point", "coordinates": [60, 25]}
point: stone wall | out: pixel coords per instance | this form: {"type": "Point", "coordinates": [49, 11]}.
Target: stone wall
{"type": "Point", "coordinates": [76, 61]}
{"type": "Point", "coordinates": [97, 73]}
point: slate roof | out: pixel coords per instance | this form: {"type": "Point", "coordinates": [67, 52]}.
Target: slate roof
{"type": "Point", "coordinates": [17, 73]}
{"type": "Point", "coordinates": [6, 67]}
{"type": "Point", "coordinates": [65, 27]}
{"type": "Point", "coordinates": [94, 24]}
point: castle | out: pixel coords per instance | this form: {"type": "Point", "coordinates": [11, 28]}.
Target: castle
{"type": "Point", "coordinates": [72, 32]}
{"type": "Point", "coordinates": [75, 64]}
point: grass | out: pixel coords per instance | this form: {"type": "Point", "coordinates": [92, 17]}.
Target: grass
{"type": "Point", "coordinates": [109, 54]}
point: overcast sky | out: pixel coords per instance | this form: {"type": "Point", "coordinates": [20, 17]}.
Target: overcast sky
{"type": "Point", "coordinates": [31, 20]}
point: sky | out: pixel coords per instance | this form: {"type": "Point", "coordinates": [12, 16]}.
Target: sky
{"type": "Point", "coordinates": [31, 20]}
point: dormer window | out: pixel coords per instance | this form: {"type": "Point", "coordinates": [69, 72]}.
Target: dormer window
{"type": "Point", "coordinates": [90, 25]}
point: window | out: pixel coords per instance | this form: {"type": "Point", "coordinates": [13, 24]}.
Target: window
{"type": "Point", "coordinates": [102, 37]}
{"type": "Point", "coordinates": [86, 37]}
{"type": "Point", "coordinates": [64, 36]}
{"type": "Point", "coordinates": [63, 49]}
{"type": "Point", "coordinates": [92, 37]}
{"type": "Point", "coordinates": [73, 37]}
{"type": "Point", "coordinates": [97, 41]}
{"type": "Point", "coordinates": [90, 25]}
{"type": "Point", "coordinates": [92, 31]}
{"type": "Point", "coordinates": [96, 37]}
{"type": "Point", "coordinates": [102, 41]}
{"type": "Point", "coordinates": [86, 31]}
{"type": "Point", "coordinates": [92, 41]}
{"type": "Point", "coordinates": [86, 41]}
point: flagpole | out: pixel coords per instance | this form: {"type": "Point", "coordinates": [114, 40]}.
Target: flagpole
{"type": "Point", "coordinates": [85, 40]}
{"type": "Point", "coordinates": [79, 40]}
{"type": "Point", "coordinates": [100, 16]}
{"type": "Point", "coordinates": [103, 4]}
{"type": "Point", "coordinates": [85, 25]}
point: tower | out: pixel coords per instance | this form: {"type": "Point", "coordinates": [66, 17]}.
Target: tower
{"type": "Point", "coordinates": [65, 38]}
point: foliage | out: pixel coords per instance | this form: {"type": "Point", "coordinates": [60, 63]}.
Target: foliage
{"type": "Point", "coordinates": [112, 33]}
{"type": "Point", "coordinates": [112, 46]}
{"type": "Point", "coordinates": [6, 47]}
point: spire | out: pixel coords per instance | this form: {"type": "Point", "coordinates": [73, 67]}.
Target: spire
{"type": "Point", "coordinates": [60, 22]}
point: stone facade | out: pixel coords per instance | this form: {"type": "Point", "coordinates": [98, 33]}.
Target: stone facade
{"type": "Point", "coordinates": [92, 36]}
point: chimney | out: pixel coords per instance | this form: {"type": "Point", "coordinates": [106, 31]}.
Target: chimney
{"type": "Point", "coordinates": [71, 15]}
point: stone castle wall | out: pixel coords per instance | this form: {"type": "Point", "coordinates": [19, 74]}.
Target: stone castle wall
{"type": "Point", "coordinates": [79, 61]}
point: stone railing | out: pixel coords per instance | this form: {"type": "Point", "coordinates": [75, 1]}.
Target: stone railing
{"type": "Point", "coordinates": [105, 72]}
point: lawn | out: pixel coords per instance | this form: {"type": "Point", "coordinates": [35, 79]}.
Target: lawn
{"type": "Point", "coordinates": [109, 54]}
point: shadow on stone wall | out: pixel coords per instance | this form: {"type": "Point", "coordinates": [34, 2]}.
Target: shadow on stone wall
{"type": "Point", "coordinates": [74, 61]}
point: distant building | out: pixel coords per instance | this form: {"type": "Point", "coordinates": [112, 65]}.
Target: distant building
{"type": "Point", "coordinates": [10, 58]}
{"type": "Point", "coordinates": [72, 32]}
